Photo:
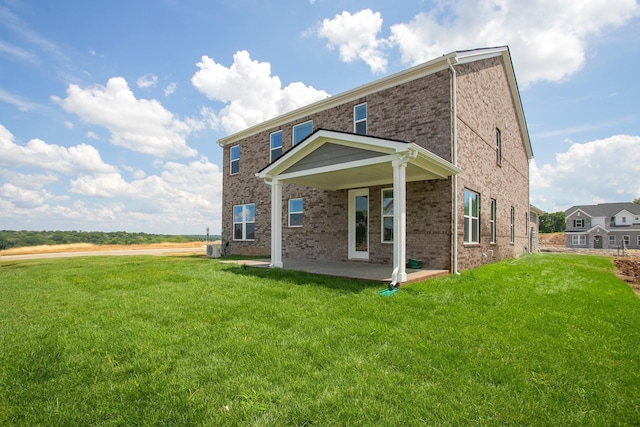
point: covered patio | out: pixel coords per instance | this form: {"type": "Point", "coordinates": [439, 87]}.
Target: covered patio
{"type": "Point", "coordinates": [348, 270]}
{"type": "Point", "coordinates": [331, 160]}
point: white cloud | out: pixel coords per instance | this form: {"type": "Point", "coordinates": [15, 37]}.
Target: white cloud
{"type": "Point", "coordinates": [180, 198]}
{"type": "Point", "coordinates": [251, 93]}
{"type": "Point", "coordinates": [356, 37]}
{"type": "Point", "coordinates": [16, 101]}
{"type": "Point", "coordinates": [91, 135]}
{"type": "Point", "coordinates": [547, 41]}
{"type": "Point", "coordinates": [148, 80]}
{"type": "Point", "coordinates": [38, 154]}
{"type": "Point", "coordinates": [68, 124]}
{"type": "Point", "coordinates": [181, 195]}
{"type": "Point", "coordinates": [605, 170]}
{"type": "Point", "coordinates": [16, 51]}
{"type": "Point", "coordinates": [171, 88]}
{"type": "Point", "coordinates": [137, 124]}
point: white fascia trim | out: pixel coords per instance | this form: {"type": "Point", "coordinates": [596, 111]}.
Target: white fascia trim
{"type": "Point", "coordinates": [410, 74]}
{"type": "Point", "coordinates": [578, 210]}
{"type": "Point", "coordinates": [337, 167]}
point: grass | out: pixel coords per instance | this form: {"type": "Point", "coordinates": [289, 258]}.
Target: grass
{"type": "Point", "coordinates": [546, 340]}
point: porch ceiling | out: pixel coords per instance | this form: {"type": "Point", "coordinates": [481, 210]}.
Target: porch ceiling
{"type": "Point", "coordinates": [358, 161]}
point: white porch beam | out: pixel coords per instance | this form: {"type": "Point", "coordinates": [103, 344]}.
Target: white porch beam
{"type": "Point", "coordinates": [276, 223]}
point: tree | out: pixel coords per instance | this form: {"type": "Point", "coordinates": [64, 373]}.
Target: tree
{"type": "Point", "coordinates": [637, 201]}
{"type": "Point", "coordinates": [552, 222]}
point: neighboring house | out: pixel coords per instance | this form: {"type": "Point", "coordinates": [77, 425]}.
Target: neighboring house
{"type": "Point", "coordinates": [431, 163]}
{"type": "Point", "coordinates": [603, 226]}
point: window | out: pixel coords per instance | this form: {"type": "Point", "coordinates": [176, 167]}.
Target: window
{"type": "Point", "coordinates": [235, 159]}
{"type": "Point", "coordinates": [638, 240]}
{"type": "Point", "coordinates": [612, 240]}
{"type": "Point", "coordinates": [471, 217]}
{"type": "Point", "coordinates": [626, 240]}
{"type": "Point", "coordinates": [624, 219]}
{"type": "Point", "coordinates": [244, 218]}
{"type": "Point", "coordinates": [360, 119]}
{"type": "Point", "coordinates": [387, 215]}
{"type": "Point", "coordinates": [498, 146]}
{"type": "Point", "coordinates": [512, 225]}
{"type": "Point", "coordinates": [295, 212]}
{"type": "Point", "coordinates": [276, 145]}
{"type": "Point", "coordinates": [579, 240]}
{"type": "Point", "coordinates": [493, 222]}
{"type": "Point", "coordinates": [578, 223]}
{"type": "Point", "coordinates": [302, 131]}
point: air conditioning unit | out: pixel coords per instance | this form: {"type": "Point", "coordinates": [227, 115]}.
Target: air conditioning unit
{"type": "Point", "coordinates": [213, 250]}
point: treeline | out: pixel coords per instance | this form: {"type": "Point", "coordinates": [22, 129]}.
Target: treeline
{"type": "Point", "coordinates": [551, 222]}
{"type": "Point", "coordinates": [15, 239]}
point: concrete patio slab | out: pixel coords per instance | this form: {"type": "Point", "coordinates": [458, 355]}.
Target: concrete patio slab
{"type": "Point", "coordinates": [351, 270]}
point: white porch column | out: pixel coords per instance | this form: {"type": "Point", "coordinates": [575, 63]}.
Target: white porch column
{"type": "Point", "coordinates": [400, 219]}
{"type": "Point", "coordinates": [276, 223]}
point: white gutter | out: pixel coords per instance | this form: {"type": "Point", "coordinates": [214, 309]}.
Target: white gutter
{"type": "Point", "coordinates": [454, 101]}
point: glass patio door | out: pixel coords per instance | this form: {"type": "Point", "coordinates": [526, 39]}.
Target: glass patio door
{"type": "Point", "coordinates": [359, 224]}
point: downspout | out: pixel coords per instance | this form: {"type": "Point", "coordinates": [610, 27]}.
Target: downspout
{"type": "Point", "coordinates": [454, 101]}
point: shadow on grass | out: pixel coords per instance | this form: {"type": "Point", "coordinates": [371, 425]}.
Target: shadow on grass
{"type": "Point", "coordinates": [302, 278]}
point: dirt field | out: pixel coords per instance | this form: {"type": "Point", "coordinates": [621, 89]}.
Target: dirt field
{"type": "Point", "coordinates": [86, 247]}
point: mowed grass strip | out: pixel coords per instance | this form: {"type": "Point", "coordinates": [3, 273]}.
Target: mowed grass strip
{"type": "Point", "coordinates": [545, 340]}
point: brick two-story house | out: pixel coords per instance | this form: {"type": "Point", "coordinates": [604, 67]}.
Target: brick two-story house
{"type": "Point", "coordinates": [603, 226]}
{"type": "Point", "coordinates": [431, 163]}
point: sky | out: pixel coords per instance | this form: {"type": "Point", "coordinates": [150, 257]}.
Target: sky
{"type": "Point", "coordinates": [110, 112]}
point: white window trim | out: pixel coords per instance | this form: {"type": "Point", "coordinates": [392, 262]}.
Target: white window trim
{"type": "Point", "coordinates": [626, 240]}
{"type": "Point", "coordinates": [579, 240]}
{"type": "Point", "coordinates": [293, 132]}
{"type": "Point", "coordinates": [231, 160]}
{"type": "Point", "coordinates": [470, 218]}
{"type": "Point", "coordinates": [271, 149]}
{"type": "Point", "coordinates": [295, 212]}
{"type": "Point", "coordinates": [493, 221]}
{"type": "Point", "coordinates": [383, 216]}
{"type": "Point", "coordinates": [612, 240]}
{"type": "Point", "coordinates": [356, 121]}
{"type": "Point", "coordinates": [498, 147]}
{"type": "Point", "coordinates": [244, 223]}
{"type": "Point", "coordinates": [512, 225]}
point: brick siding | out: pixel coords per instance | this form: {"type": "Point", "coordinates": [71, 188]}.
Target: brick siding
{"type": "Point", "coordinates": [418, 111]}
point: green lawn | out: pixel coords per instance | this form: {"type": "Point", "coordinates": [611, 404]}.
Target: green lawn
{"type": "Point", "coordinates": [546, 340]}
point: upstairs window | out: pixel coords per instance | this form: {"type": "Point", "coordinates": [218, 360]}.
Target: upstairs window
{"type": "Point", "coordinates": [498, 147]}
{"type": "Point", "coordinates": [578, 223]}
{"type": "Point", "coordinates": [360, 119]}
{"type": "Point", "coordinates": [302, 131]}
{"type": "Point", "coordinates": [387, 216]}
{"type": "Point", "coordinates": [295, 212]}
{"type": "Point", "coordinates": [235, 159]}
{"type": "Point", "coordinates": [276, 145]}
{"type": "Point", "coordinates": [493, 221]}
{"type": "Point", "coordinates": [471, 217]}
{"type": "Point", "coordinates": [244, 222]}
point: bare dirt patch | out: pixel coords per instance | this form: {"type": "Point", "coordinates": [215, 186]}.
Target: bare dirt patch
{"type": "Point", "coordinates": [628, 269]}
{"type": "Point", "coordinates": [88, 247]}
